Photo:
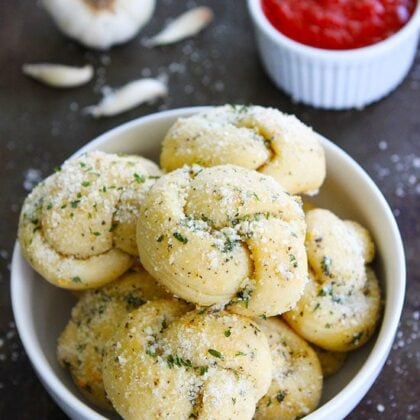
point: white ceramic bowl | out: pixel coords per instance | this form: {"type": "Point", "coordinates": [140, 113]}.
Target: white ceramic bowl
{"type": "Point", "coordinates": [42, 310]}
{"type": "Point", "coordinates": [335, 79]}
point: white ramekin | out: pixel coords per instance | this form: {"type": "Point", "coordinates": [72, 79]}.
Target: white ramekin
{"type": "Point", "coordinates": [42, 310]}
{"type": "Point", "coordinates": [335, 79]}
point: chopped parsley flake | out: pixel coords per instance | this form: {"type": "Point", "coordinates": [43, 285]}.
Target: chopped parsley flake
{"type": "Point", "coordinates": [241, 108]}
{"type": "Point", "coordinates": [139, 178]}
{"type": "Point", "coordinates": [326, 265]}
{"type": "Point", "coordinates": [244, 295]}
{"type": "Point", "coordinates": [186, 363]}
{"type": "Point", "coordinates": [85, 184]}
{"type": "Point", "coordinates": [133, 300]}
{"type": "Point", "coordinates": [170, 360]}
{"type": "Point", "coordinates": [150, 353]}
{"type": "Point", "coordinates": [76, 279]}
{"type": "Point", "coordinates": [74, 204]}
{"type": "Point", "coordinates": [215, 353]}
{"type": "Point", "coordinates": [293, 260]}
{"type": "Point", "coordinates": [203, 370]}
{"type": "Point", "coordinates": [229, 245]}
{"type": "Point", "coordinates": [180, 238]}
{"type": "Point", "coordinates": [177, 361]}
{"type": "Point", "coordinates": [228, 333]}
{"type": "Point", "coordinates": [281, 396]}
{"type": "Point", "coordinates": [325, 292]}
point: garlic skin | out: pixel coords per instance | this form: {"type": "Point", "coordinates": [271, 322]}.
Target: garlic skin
{"type": "Point", "coordinates": [128, 97]}
{"type": "Point", "coordinates": [99, 24]}
{"type": "Point", "coordinates": [58, 75]}
{"type": "Point", "coordinates": [184, 26]}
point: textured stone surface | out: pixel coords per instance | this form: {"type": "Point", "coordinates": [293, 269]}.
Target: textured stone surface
{"type": "Point", "coordinates": [40, 127]}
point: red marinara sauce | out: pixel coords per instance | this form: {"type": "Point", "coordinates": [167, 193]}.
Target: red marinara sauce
{"type": "Point", "coordinates": [338, 24]}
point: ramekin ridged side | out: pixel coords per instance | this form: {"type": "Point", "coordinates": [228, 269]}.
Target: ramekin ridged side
{"type": "Point", "coordinates": [335, 79]}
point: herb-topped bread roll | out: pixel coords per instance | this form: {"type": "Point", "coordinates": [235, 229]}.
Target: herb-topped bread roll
{"type": "Point", "coordinates": [341, 305]}
{"type": "Point", "coordinates": [77, 228]}
{"type": "Point", "coordinates": [93, 321]}
{"type": "Point", "coordinates": [296, 387]}
{"type": "Point", "coordinates": [163, 364]}
{"type": "Point", "coordinates": [220, 234]}
{"type": "Point", "coordinates": [253, 137]}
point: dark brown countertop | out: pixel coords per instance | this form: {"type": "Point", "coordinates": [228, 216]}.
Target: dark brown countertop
{"type": "Point", "coordinates": [40, 127]}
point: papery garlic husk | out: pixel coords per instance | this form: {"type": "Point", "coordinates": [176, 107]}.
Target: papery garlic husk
{"type": "Point", "coordinates": [184, 26]}
{"type": "Point", "coordinates": [100, 24]}
{"type": "Point", "coordinates": [59, 75]}
{"type": "Point", "coordinates": [128, 97]}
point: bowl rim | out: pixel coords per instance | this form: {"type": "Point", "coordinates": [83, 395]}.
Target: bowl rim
{"type": "Point", "coordinates": [369, 51]}
{"type": "Point", "coordinates": [346, 398]}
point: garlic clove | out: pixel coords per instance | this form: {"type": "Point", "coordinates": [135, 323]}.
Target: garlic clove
{"type": "Point", "coordinates": [58, 75]}
{"type": "Point", "coordinates": [188, 24]}
{"type": "Point", "coordinates": [129, 96]}
{"type": "Point", "coordinates": [100, 23]}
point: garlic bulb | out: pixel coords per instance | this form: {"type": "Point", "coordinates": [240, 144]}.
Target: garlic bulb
{"type": "Point", "coordinates": [100, 23]}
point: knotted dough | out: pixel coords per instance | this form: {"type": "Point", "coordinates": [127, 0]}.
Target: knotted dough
{"type": "Point", "coordinates": [77, 228]}
{"type": "Point", "coordinates": [296, 387]}
{"type": "Point", "coordinates": [93, 321]}
{"type": "Point", "coordinates": [225, 234]}
{"type": "Point", "coordinates": [341, 305]}
{"type": "Point", "coordinates": [253, 137]}
{"type": "Point", "coordinates": [163, 363]}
